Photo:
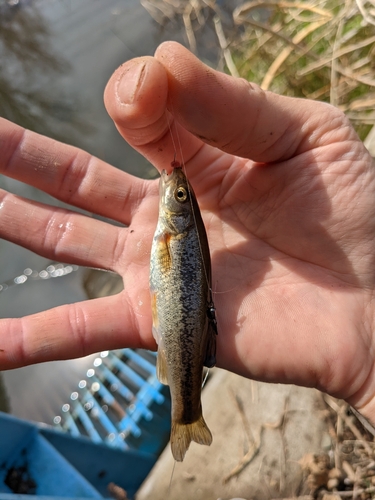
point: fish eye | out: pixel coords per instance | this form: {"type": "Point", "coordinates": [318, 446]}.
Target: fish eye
{"type": "Point", "coordinates": [181, 194]}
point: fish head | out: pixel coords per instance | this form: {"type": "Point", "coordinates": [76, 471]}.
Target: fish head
{"type": "Point", "coordinates": [176, 196]}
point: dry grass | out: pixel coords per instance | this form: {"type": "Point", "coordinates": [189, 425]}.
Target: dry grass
{"type": "Point", "coordinates": [348, 469]}
{"type": "Point", "coordinates": [322, 49]}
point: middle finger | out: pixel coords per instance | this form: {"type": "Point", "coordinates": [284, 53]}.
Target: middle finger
{"type": "Point", "coordinates": [60, 234]}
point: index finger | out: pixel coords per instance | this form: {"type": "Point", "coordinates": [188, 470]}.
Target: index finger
{"type": "Point", "coordinates": [68, 173]}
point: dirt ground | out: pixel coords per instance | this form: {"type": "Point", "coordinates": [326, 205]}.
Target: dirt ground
{"type": "Point", "coordinates": [261, 432]}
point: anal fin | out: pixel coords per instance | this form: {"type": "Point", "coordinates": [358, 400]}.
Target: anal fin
{"type": "Point", "coordinates": [155, 320]}
{"type": "Point", "coordinates": [161, 364]}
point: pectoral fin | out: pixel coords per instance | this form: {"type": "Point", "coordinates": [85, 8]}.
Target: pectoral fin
{"type": "Point", "coordinates": [163, 251]}
{"type": "Point", "coordinates": [161, 364]}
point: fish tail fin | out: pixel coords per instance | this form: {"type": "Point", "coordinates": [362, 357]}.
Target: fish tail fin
{"type": "Point", "coordinates": [183, 434]}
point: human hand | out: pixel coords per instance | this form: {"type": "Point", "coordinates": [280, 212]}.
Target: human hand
{"type": "Point", "coordinates": [291, 231]}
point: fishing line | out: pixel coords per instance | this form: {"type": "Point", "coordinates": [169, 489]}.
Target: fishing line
{"type": "Point", "coordinates": [205, 377]}
{"type": "Point", "coordinates": [171, 134]}
{"type": "Point", "coordinates": [216, 292]}
{"type": "Point", "coordinates": [170, 481]}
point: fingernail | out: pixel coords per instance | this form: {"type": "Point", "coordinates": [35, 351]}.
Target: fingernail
{"type": "Point", "coordinates": [130, 82]}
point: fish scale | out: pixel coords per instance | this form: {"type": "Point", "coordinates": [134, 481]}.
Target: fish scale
{"type": "Point", "coordinates": [183, 327]}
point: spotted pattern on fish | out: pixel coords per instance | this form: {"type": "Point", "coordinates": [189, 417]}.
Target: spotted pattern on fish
{"type": "Point", "coordinates": [180, 277]}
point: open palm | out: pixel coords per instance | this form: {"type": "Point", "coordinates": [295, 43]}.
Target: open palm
{"type": "Point", "coordinates": [291, 231]}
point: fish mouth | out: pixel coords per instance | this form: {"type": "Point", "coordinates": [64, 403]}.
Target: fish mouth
{"type": "Point", "coordinates": [164, 176]}
{"type": "Point", "coordinates": [175, 173]}
{"type": "Point", "coordinates": [175, 176]}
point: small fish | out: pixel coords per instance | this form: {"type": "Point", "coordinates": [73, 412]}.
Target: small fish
{"type": "Point", "coordinates": [184, 316]}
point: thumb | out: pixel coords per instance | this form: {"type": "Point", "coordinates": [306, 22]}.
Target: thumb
{"type": "Point", "coordinates": [239, 117]}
